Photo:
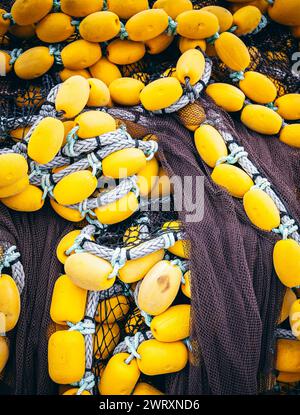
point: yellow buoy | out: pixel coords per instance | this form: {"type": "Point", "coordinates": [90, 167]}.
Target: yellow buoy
{"type": "Point", "coordinates": [286, 258]}
{"type": "Point", "coordinates": [173, 324]}
{"type": "Point", "coordinates": [79, 8]}
{"type": "Point", "coordinates": [159, 288]}
{"type": "Point", "coordinates": [94, 123]}
{"type": "Point", "coordinates": [29, 200]}
{"type": "Point", "coordinates": [80, 54]}
{"type": "Point", "coordinates": [100, 26]}
{"type": "Point", "coordinates": [288, 356]}
{"type": "Point", "coordinates": [161, 93]}
{"type": "Point", "coordinates": [99, 93]}
{"type": "Point", "coordinates": [135, 269]}
{"type": "Point", "coordinates": [33, 63]}
{"type": "Point", "coordinates": [190, 65]}
{"type": "Point", "coordinates": [66, 243]}
{"type": "Point", "coordinates": [106, 71]}
{"type": "Point", "coordinates": [261, 119]}
{"type": "Point", "coordinates": [55, 27]}
{"type": "Point", "coordinates": [68, 302]}
{"type": "Point", "coordinates": [125, 52]}
{"type": "Point", "coordinates": [233, 179]}
{"type": "Point", "coordinates": [4, 352]}
{"type": "Point", "coordinates": [89, 272]}
{"type": "Point", "coordinates": [72, 215]}
{"type": "Point", "coordinates": [290, 135]}
{"type": "Point", "coordinates": [46, 140]}
{"type": "Point", "coordinates": [147, 24]}
{"type": "Point", "coordinates": [258, 87]}
{"type": "Point", "coordinates": [289, 106]}
{"type": "Point", "coordinates": [25, 12]}
{"type": "Point", "coordinates": [226, 96]}
{"type": "Point", "coordinates": [197, 24]}
{"type": "Point", "coordinates": [119, 210]}
{"type": "Point", "coordinates": [186, 286]}
{"type": "Point", "coordinates": [66, 357]}
{"type": "Point", "coordinates": [288, 300]}
{"type": "Point", "coordinates": [124, 163]}
{"type": "Point", "coordinates": [118, 377]}
{"type": "Point", "coordinates": [72, 96]}
{"type": "Point", "coordinates": [158, 358]}
{"type": "Point", "coordinates": [10, 303]}
{"type": "Point", "coordinates": [146, 390]}
{"type": "Point", "coordinates": [13, 168]}
{"type": "Point", "coordinates": [173, 8]}
{"type": "Point", "coordinates": [75, 187]}
{"type": "Point", "coordinates": [210, 144]}
{"type": "Point", "coordinates": [294, 316]}
{"type": "Point", "coordinates": [126, 91]}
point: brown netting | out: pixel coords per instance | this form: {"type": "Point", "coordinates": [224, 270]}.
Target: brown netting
{"type": "Point", "coordinates": [236, 296]}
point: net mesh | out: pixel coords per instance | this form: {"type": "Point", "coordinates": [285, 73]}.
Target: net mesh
{"type": "Point", "coordinates": [236, 296]}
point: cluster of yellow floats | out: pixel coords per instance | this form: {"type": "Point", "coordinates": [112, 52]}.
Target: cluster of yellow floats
{"type": "Point", "coordinates": [92, 64]}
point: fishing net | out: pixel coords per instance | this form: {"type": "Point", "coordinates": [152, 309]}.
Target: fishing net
{"type": "Point", "coordinates": [236, 296]}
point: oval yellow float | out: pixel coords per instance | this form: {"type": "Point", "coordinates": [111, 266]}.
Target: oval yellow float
{"type": "Point", "coordinates": [68, 302]}
{"type": "Point", "coordinates": [233, 179]}
{"type": "Point", "coordinates": [10, 303]}
{"type": "Point", "coordinates": [66, 357]}
{"type": "Point", "coordinates": [89, 272]}
{"type": "Point", "coordinates": [286, 258]}
{"type": "Point", "coordinates": [159, 288]}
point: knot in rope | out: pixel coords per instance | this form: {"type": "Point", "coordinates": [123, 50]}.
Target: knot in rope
{"type": "Point", "coordinates": [8, 257]}
{"type": "Point", "coordinates": [8, 16]}
{"type": "Point", "coordinates": [72, 138]}
{"type": "Point", "coordinates": [262, 183]}
{"type": "Point", "coordinates": [172, 27]}
{"type": "Point", "coordinates": [118, 260]}
{"type": "Point", "coordinates": [14, 54]}
{"type": "Point", "coordinates": [144, 220]}
{"type": "Point", "coordinates": [211, 40]}
{"type": "Point", "coordinates": [150, 152]}
{"type": "Point", "coordinates": [86, 384]}
{"type": "Point", "coordinates": [237, 76]}
{"type": "Point", "coordinates": [35, 170]}
{"type": "Point", "coordinates": [54, 51]}
{"type": "Point", "coordinates": [132, 344]}
{"type": "Point", "coordinates": [286, 229]}
{"type": "Point", "coordinates": [77, 246]}
{"type": "Point", "coordinates": [47, 186]}
{"type": "Point", "coordinates": [123, 32]}
{"type": "Point", "coordinates": [84, 327]}
{"type": "Point", "coordinates": [100, 226]}
{"type": "Point", "coordinates": [95, 163]}
{"type": "Point", "coordinates": [234, 156]}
